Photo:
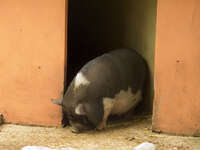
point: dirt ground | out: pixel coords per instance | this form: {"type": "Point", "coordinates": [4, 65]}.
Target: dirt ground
{"type": "Point", "coordinates": [120, 135]}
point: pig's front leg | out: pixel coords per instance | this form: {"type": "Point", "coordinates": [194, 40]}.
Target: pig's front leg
{"type": "Point", "coordinates": [108, 105]}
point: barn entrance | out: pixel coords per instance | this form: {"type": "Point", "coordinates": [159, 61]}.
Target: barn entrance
{"type": "Point", "coordinates": [97, 27]}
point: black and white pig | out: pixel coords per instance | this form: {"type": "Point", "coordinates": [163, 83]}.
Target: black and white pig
{"type": "Point", "coordinates": [109, 84]}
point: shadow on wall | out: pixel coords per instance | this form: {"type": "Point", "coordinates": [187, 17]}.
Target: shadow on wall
{"type": "Point", "coordinates": [96, 27]}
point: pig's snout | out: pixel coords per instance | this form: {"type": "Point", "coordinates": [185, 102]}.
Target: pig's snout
{"type": "Point", "coordinates": [77, 127]}
{"type": "Point", "coordinates": [75, 130]}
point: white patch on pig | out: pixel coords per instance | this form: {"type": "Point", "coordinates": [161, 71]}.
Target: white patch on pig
{"type": "Point", "coordinates": [125, 100]}
{"type": "Point", "coordinates": [121, 103]}
{"type": "Point", "coordinates": [80, 79]}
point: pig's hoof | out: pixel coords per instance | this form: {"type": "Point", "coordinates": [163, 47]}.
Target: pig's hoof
{"type": "Point", "coordinates": [98, 130]}
{"type": "Point", "coordinates": [101, 126]}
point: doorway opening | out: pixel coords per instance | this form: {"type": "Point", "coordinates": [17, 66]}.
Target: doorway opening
{"type": "Point", "coordinates": [96, 27]}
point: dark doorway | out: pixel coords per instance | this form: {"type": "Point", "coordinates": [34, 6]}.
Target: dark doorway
{"type": "Point", "coordinates": [90, 32]}
{"type": "Point", "coordinates": [95, 27]}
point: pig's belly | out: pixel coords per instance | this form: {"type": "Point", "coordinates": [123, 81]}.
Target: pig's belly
{"type": "Point", "coordinates": [122, 102]}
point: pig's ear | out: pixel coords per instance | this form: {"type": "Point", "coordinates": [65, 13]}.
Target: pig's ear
{"type": "Point", "coordinates": [58, 102]}
{"type": "Point", "coordinates": [80, 110]}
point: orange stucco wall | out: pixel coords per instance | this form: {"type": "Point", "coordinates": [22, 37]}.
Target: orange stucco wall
{"type": "Point", "coordinates": [32, 37]}
{"type": "Point", "coordinates": [177, 67]}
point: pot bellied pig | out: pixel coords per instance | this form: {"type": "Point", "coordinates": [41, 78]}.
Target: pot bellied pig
{"type": "Point", "coordinates": [109, 84]}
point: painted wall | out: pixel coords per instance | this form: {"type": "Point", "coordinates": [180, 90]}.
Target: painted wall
{"type": "Point", "coordinates": [177, 68]}
{"type": "Point", "coordinates": [99, 26]}
{"type": "Point", "coordinates": [32, 35]}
